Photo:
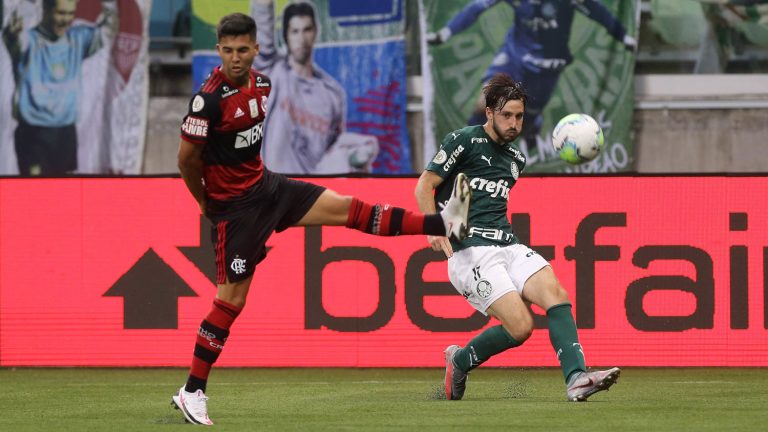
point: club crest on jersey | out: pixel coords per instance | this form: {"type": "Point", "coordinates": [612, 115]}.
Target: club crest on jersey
{"type": "Point", "coordinates": [252, 104]}
{"type": "Point", "coordinates": [440, 157]}
{"type": "Point", "coordinates": [198, 103]}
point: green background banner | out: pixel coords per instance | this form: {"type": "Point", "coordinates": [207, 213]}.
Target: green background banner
{"type": "Point", "coordinates": [599, 80]}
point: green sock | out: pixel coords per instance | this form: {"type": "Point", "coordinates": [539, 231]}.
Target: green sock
{"type": "Point", "coordinates": [482, 347]}
{"type": "Point", "coordinates": [565, 340]}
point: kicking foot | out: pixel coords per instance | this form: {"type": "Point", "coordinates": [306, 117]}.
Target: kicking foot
{"type": "Point", "coordinates": [456, 211]}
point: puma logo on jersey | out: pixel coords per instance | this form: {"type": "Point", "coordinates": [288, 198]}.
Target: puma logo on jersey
{"type": "Point", "coordinates": [249, 137]}
{"type": "Point", "coordinates": [455, 135]}
{"type": "Point", "coordinates": [487, 159]}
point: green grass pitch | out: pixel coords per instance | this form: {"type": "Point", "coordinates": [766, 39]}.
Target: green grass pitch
{"type": "Point", "coordinates": [384, 400]}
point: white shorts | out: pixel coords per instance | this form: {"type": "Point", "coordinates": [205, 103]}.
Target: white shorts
{"type": "Point", "coordinates": [482, 274]}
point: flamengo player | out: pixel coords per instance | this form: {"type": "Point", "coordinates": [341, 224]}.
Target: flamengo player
{"type": "Point", "coordinates": [220, 163]}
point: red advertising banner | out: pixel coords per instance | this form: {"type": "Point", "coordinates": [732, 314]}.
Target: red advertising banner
{"type": "Point", "coordinates": [663, 271]}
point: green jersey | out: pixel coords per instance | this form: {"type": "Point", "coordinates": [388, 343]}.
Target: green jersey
{"type": "Point", "coordinates": [492, 170]}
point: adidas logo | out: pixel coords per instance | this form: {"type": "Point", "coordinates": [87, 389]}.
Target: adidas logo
{"type": "Point", "coordinates": [239, 113]}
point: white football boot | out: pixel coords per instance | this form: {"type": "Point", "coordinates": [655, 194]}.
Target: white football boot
{"type": "Point", "coordinates": [194, 406]}
{"type": "Point", "coordinates": [456, 211]}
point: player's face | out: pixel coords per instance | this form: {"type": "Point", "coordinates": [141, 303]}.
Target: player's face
{"type": "Point", "coordinates": [507, 123]}
{"type": "Point", "coordinates": [60, 17]}
{"type": "Point", "coordinates": [300, 38]}
{"type": "Point", "coordinates": [237, 54]}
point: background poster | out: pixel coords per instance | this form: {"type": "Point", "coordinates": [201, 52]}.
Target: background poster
{"type": "Point", "coordinates": [598, 81]}
{"type": "Point", "coordinates": [361, 46]}
{"type": "Point", "coordinates": [114, 89]}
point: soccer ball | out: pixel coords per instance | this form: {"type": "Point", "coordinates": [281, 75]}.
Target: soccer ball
{"type": "Point", "coordinates": [578, 138]}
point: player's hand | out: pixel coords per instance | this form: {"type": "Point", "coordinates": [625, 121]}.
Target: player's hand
{"type": "Point", "coordinates": [440, 243]}
{"type": "Point", "coordinates": [630, 43]}
{"type": "Point", "coordinates": [203, 203]}
{"type": "Point", "coordinates": [438, 37]}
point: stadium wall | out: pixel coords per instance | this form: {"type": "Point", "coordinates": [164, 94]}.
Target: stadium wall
{"type": "Point", "coordinates": [663, 271]}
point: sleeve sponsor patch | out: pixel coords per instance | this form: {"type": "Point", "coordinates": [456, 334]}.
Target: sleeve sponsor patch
{"type": "Point", "coordinates": [195, 126]}
{"type": "Point", "coordinates": [198, 103]}
{"type": "Point", "coordinates": [440, 157]}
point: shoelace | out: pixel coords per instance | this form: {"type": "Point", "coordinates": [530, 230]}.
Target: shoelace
{"type": "Point", "coordinates": [198, 404]}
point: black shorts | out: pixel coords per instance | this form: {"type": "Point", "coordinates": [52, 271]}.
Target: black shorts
{"type": "Point", "coordinates": [239, 238]}
{"type": "Point", "coordinates": [47, 151]}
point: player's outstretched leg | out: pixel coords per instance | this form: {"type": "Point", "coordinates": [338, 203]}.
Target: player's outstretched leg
{"type": "Point", "coordinates": [194, 406]}
{"type": "Point", "coordinates": [456, 211]}
{"type": "Point", "coordinates": [584, 384]}
{"type": "Point", "coordinates": [455, 379]}
{"type": "Point", "coordinates": [387, 220]}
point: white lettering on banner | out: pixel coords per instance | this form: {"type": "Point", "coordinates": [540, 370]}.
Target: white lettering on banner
{"type": "Point", "coordinates": [452, 159]}
{"type": "Point", "coordinates": [249, 137]}
{"type": "Point", "coordinates": [497, 188]}
{"type": "Point", "coordinates": [195, 126]}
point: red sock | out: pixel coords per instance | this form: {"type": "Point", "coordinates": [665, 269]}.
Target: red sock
{"type": "Point", "coordinates": [213, 332]}
{"type": "Point", "coordinates": [386, 220]}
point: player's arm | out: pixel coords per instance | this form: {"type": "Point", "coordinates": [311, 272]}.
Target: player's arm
{"type": "Point", "coordinates": [12, 38]}
{"type": "Point", "coordinates": [204, 111]}
{"type": "Point", "coordinates": [425, 197]}
{"type": "Point", "coordinates": [460, 22]}
{"type": "Point", "coordinates": [190, 161]}
{"type": "Point", "coordinates": [596, 10]}
{"type": "Point", "coordinates": [263, 12]}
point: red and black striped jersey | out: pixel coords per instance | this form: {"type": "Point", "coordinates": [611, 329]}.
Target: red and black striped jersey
{"type": "Point", "coordinates": [228, 120]}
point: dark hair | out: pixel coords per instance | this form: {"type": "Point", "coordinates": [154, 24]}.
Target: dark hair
{"type": "Point", "coordinates": [297, 9]}
{"type": "Point", "coordinates": [49, 4]}
{"type": "Point", "coordinates": [501, 89]}
{"type": "Point", "coordinates": [236, 24]}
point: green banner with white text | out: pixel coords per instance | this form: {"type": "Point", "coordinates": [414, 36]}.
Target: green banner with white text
{"type": "Point", "coordinates": [571, 55]}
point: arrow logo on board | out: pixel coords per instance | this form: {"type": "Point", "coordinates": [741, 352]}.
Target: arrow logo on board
{"type": "Point", "coordinates": [203, 256]}
{"type": "Point", "coordinates": [150, 291]}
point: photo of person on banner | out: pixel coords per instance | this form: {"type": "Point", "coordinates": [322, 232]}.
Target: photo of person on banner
{"type": "Point", "coordinates": [305, 131]}
{"type": "Point", "coordinates": [47, 62]}
{"type": "Point", "coordinates": [535, 49]}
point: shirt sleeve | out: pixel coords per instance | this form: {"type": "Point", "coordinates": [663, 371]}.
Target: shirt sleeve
{"type": "Point", "coordinates": [596, 11]}
{"type": "Point", "coordinates": [202, 114]}
{"type": "Point", "coordinates": [467, 16]}
{"type": "Point", "coordinates": [265, 35]}
{"type": "Point", "coordinates": [451, 153]}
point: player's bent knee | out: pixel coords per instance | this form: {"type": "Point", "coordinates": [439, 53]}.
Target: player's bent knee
{"type": "Point", "coordinates": [521, 329]}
